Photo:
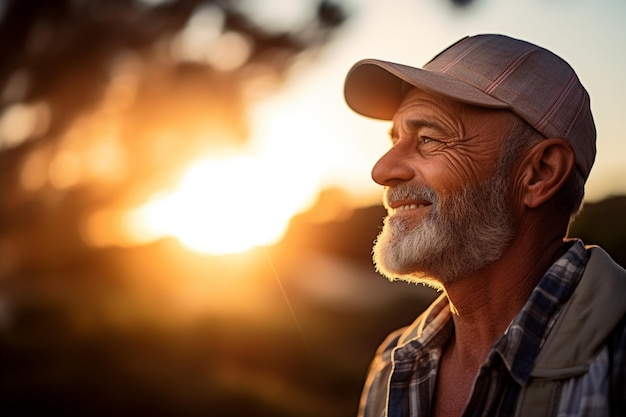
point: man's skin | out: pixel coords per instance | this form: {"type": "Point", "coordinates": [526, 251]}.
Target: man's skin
{"type": "Point", "coordinates": [447, 145]}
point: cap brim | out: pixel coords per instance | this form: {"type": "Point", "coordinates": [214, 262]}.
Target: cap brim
{"type": "Point", "coordinates": [374, 88]}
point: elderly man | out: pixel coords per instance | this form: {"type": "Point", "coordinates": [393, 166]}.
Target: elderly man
{"type": "Point", "coordinates": [491, 144]}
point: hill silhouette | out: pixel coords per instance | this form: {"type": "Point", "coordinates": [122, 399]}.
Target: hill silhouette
{"type": "Point", "coordinates": [603, 223]}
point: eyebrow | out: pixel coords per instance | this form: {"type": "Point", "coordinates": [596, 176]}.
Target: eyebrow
{"type": "Point", "coordinates": [414, 124]}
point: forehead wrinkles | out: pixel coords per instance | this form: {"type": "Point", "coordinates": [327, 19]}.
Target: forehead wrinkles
{"type": "Point", "coordinates": [495, 125]}
{"type": "Point", "coordinates": [428, 110]}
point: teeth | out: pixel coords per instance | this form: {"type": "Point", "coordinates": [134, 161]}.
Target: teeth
{"type": "Point", "coordinates": [409, 207]}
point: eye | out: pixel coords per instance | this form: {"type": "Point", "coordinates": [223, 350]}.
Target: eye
{"type": "Point", "coordinates": [427, 139]}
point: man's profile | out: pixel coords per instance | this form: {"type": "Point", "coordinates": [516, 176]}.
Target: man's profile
{"type": "Point", "coordinates": [491, 145]}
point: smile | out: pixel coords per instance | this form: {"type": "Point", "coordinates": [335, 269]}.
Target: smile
{"type": "Point", "coordinates": [405, 207]}
{"type": "Point", "coordinates": [410, 207]}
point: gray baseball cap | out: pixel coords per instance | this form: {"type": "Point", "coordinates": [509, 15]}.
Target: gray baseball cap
{"type": "Point", "coordinates": [493, 71]}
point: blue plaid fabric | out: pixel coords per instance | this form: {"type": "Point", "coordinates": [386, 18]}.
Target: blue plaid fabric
{"type": "Point", "coordinates": [401, 381]}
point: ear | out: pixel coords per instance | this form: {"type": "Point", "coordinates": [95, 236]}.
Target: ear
{"type": "Point", "coordinates": [548, 165]}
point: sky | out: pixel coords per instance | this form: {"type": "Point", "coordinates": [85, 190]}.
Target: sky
{"type": "Point", "coordinates": [317, 124]}
{"type": "Point", "coordinates": [305, 138]}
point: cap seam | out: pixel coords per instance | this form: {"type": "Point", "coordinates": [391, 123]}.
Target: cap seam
{"type": "Point", "coordinates": [455, 61]}
{"type": "Point", "coordinates": [508, 70]}
{"type": "Point", "coordinates": [543, 121]}
{"type": "Point", "coordinates": [584, 102]}
{"type": "Point", "coordinates": [579, 161]}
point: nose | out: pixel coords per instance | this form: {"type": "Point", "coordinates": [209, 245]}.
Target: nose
{"type": "Point", "coordinates": [393, 168]}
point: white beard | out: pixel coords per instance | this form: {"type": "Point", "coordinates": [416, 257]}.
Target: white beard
{"type": "Point", "coordinates": [460, 235]}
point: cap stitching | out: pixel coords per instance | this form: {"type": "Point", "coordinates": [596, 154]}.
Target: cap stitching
{"type": "Point", "coordinates": [541, 123]}
{"type": "Point", "coordinates": [581, 108]}
{"type": "Point", "coordinates": [579, 160]}
{"type": "Point", "coordinates": [508, 70]}
{"type": "Point", "coordinates": [452, 63]}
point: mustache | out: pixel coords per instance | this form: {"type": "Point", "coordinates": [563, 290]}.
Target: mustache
{"type": "Point", "coordinates": [405, 192]}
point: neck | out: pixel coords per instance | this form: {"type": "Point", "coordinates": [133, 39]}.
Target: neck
{"type": "Point", "coordinates": [485, 303]}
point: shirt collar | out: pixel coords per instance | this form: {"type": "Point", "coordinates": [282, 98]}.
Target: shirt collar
{"type": "Point", "coordinates": [429, 332]}
{"type": "Point", "coordinates": [521, 342]}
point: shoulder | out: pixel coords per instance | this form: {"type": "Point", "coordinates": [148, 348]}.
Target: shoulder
{"type": "Point", "coordinates": [617, 367]}
{"type": "Point", "coordinates": [591, 315]}
{"type": "Point", "coordinates": [600, 262]}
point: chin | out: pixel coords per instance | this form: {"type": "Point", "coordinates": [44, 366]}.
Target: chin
{"type": "Point", "coordinates": [409, 253]}
{"type": "Point", "coordinates": [410, 274]}
{"type": "Point", "coordinates": [425, 280]}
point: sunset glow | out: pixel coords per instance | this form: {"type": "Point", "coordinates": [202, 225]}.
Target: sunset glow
{"type": "Point", "coordinates": [227, 205]}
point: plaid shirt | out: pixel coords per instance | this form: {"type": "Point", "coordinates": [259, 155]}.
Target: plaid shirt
{"type": "Point", "coordinates": [402, 377]}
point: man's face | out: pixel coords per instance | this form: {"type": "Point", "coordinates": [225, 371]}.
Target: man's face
{"type": "Point", "coordinates": [444, 191]}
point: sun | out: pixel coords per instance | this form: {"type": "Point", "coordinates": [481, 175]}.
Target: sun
{"type": "Point", "coordinates": [244, 197]}
{"type": "Point", "coordinates": [228, 205]}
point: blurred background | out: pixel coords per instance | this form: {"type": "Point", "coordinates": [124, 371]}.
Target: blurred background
{"type": "Point", "coordinates": [186, 212]}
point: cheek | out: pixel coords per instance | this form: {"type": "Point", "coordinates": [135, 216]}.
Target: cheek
{"type": "Point", "coordinates": [457, 170]}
